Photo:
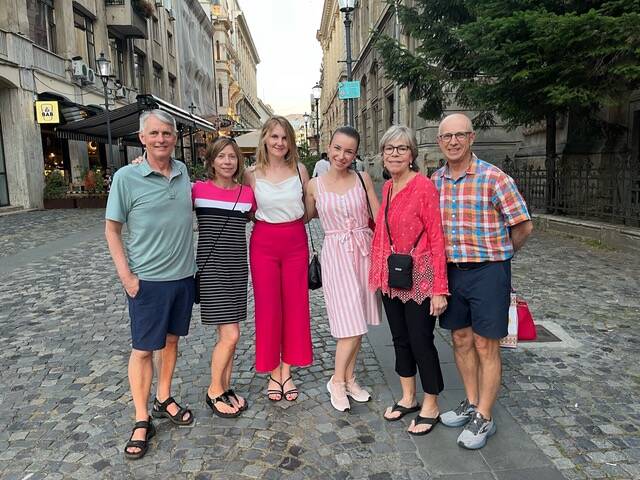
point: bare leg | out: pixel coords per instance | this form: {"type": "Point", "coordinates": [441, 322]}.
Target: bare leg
{"type": "Point", "coordinates": [275, 384]}
{"type": "Point", "coordinates": [490, 372]}
{"type": "Point", "coordinates": [467, 362]}
{"type": "Point", "coordinates": [351, 367]}
{"type": "Point", "coordinates": [221, 363]}
{"type": "Point", "coordinates": [408, 399]}
{"type": "Point", "coordinates": [346, 350]}
{"type": "Point", "coordinates": [167, 364]}
{"type": "Point", "coordinates": [140, 377]}
{"type": "Point", "coordinates": [429, 410]}
{"type": "Point", "coordinates": [286, 373]}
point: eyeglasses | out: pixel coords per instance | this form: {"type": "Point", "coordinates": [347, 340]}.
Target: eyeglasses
{"type": "Point", "coordinates": [401, 149]}
{"type": "Point", "coordinates": [460, 136]}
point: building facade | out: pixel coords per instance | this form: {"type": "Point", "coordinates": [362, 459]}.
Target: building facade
{"type": "Point", "coordinates": [236, 60]}
{"type": "Point", "coordinates": [380, 100]}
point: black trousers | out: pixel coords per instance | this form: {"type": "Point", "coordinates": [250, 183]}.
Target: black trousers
{"type": "Point", "coordinates": [412, 331]}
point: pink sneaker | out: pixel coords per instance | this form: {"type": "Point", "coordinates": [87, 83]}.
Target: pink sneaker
{"type": "Point", "coordinates": [338, 393]}
{"type": "Point", "coordinates": [356, 392]}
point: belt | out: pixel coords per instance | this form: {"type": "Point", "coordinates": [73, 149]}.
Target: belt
{"type": "Point", "coordinates": [468, 265]}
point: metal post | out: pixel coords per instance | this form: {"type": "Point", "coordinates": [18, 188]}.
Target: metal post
{"type": "Point", "coordinates": [317, 135]}
{"type": "Point", "coordinates": [306, 136]}
{"type": "Point", "coordinates": [347, 27]}
{"type": "Point", "coordinates": [106, 106]}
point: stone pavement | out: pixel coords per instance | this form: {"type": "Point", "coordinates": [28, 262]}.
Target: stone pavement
{"type": "Point", "coordinates": [67, 411]}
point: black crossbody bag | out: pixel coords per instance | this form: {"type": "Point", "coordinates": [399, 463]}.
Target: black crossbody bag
{"type": "Point", "coordinates": [400, 264]}
{"type": "Point", "coordinates": [197, 298]}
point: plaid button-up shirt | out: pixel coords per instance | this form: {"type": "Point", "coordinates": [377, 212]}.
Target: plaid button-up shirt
{"type": "Point", "coordinates": [478, 210]}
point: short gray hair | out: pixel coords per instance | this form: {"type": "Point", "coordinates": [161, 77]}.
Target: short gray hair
{"type": "Point", "coordinates": [403, 133]}
{"type": "Point", "coordinates": [161, 115]}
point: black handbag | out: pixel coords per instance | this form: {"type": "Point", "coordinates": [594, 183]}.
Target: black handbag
{"type": "Point", "coordinates": [400, 264]}
{"type": "Point", "coordinates": [197, 276]}
{"type": "Point", "coordinates": [314, 275]}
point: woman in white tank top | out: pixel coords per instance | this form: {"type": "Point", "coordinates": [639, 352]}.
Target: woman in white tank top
{"type": "Point", "coordinates": [279, 259]}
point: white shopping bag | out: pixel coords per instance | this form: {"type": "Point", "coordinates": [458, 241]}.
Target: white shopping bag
{"type": "Point", "coordinates": [511, 340]}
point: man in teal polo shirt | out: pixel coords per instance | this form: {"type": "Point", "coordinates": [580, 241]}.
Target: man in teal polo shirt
{"type": "Point", "coordinates": [156, 265]}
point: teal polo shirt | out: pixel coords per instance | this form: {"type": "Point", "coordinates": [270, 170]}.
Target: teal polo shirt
{"type": "Point", "coordinates": [158, 213]}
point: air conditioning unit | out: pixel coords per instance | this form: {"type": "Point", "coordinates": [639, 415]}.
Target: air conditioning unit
{"type": "Point", "coordinates": [121, 92]}
{"type": "Point", "coordinates": [79, 69]}
{"type": "Point", "coordinates": [91, 77]}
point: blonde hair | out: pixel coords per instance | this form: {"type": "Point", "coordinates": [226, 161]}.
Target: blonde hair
{"type": "Point", "coordinates": [262, 156]}
{"type": "Point", "coordinates": [214, 149]}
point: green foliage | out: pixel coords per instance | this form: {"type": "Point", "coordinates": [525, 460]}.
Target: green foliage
{"type": "Point", "coordinates": [307, 158]}
{"type": "Point", "coordinates": [197, 171]}
{"type": "Point", "coordinates": [55, 186]}
{"type": "Point", "coordinates": [521, 59]}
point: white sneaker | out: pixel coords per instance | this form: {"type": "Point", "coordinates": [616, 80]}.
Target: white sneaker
{"type": "Point", "coordinates": [356, 392]}
{"type": "Point", "coordinates": [477, 432]}
{"type": "Point", "coordinates": [338, 393]}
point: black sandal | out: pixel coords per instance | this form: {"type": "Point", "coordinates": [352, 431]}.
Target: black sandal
{"type": "Point", "coordinates": [403, 411]}
{"type": "Point", "coordinates": [427, 420]}
{"type": "Point", "coordinates": [279, 392]}
{"type": "Point", "coordinates": [143, 445]}
{"type": "Point", "coordinates": [224, 399]}
{"type": "Point", "coordinates": [292, 391]}
{"type": "Point", "coordinates": [231, 394]}
{"type": "Point", "coordinates": [160, 410]}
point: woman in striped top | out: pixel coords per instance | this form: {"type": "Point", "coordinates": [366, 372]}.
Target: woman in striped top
{"type": "Point", "coordinates": [341, 198]}
{"type": "Point", "coordinates": [222, 205]}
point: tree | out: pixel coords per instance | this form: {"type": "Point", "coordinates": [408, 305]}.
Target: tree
{"type": "Point", "coordinates": [525, 60]}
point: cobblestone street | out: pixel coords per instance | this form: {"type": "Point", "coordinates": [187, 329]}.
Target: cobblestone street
{"type": "Point", "coordinates": [67, 410]}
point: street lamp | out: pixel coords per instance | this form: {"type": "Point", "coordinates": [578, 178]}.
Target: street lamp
{"type": "Point", "coordinates": [317, 91]}
{"type": "Point", "coordinates": [192, 108]}
{"type": "Point", "coordinates": [104, 69]}
{"type": "Point", "coordinates": [306, 118]}
{"type": "Point", "coordinates": [346, 7]}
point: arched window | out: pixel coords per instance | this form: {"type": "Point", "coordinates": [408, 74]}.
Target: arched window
{"type": "Point", "coordinates": [218, 57]}
{"type": "Point", "coordinates": [220, 99]}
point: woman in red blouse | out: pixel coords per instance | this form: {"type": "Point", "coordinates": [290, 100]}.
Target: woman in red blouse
{"type": "Point", "coordinates": [411, 207]}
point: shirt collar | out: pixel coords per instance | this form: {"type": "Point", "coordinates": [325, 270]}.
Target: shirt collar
{"type": "Point", "coordinates": [471, 169]}
{"type": "Point", "coordinates": [146, 169]}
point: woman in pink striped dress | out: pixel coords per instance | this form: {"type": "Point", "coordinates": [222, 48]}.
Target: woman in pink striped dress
{"type": "Point", "coordinates": [339, 199]}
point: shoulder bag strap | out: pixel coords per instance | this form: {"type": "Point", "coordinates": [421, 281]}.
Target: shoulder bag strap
{"type": "Point", "coordinates": [386, 221]}
{"type": "Point", "coordinates": [304, 206]}
{"type": "Point", "coordinates": [221, 230]}
{"type": "Point", "coordinates": [366, 193]}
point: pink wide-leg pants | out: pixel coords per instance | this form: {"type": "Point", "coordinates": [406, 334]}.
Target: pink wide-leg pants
{"type": "Point", "coordinates": [279, 259]}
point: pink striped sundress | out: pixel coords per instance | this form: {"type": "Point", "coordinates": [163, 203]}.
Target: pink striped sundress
{"type": "Point", "coordinates": [345, 260]}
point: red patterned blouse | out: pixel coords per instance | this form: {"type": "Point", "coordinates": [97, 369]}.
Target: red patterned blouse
{"type": "Point", "coordinates": [414, 210]}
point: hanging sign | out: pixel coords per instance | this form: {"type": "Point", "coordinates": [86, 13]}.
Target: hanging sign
{"type": "Point", "coordinates": [348, 90]}
{"type": "Point", "coordinates": [47, 111]}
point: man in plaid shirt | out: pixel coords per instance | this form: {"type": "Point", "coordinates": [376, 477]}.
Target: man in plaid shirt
{"type": "Point", "coordinates": [485, 220]}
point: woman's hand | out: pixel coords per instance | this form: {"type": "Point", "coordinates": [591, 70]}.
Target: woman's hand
{"type": "Point", "coordinates": [137, 161]}
{"type": "Point", "coordinates": [438, 305]}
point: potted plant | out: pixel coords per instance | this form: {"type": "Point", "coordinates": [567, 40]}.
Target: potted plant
{"type": "Point", "coordinates": [55, 191]}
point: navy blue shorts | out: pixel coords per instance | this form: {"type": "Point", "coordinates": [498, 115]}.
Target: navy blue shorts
{"type": "Point", "coordinates": [479, 299]}
{"type": "Point", "coordinates": [160, 308]}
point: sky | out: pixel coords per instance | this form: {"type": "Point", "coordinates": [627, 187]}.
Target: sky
{"type": "Point", "coordinates": [284, 32]}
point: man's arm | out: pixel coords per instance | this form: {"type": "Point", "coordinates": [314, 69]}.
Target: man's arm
{"type": "Point", "coordinates": [520, 233]}
{"type": "Point", "coordinates": [113, 232]}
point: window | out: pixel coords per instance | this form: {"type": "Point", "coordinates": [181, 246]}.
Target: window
{"type": "Point", "coordinates": [42, 25]}
{"type": "Point", "coordinates": [218, 57]}
{"type": "Point", "coordinates": [390, 111]}
{"type": "Point", "coordinates": [157, 80]}
{"type": "Point", "coordinates": [172, 89]}
{"type": "Point", "coordinates": [117, 47]}
{"type": "Point", "coordinates": [139, 72]}
{"type": "Point", "coordinates": [170, 44]}
{"type": "Point", "coordinates": [4, 190]}
{"type": "Point", "coordinates": [156, 30]}
{"type": "Point", "coordinates": [220, 99]}
{"type": "Point", "coordinates": [85, 44]}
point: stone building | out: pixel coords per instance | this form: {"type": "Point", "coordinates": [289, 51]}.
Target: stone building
{"type": "Point", "coordinates": [236, 59]}
{"type": "Point", "coordinates": [48, 52]}
{"type": "Point", "coordinates": [380, 100]}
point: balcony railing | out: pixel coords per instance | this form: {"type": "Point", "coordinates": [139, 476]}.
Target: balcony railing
{"type": "Point", "coordinates": [124, 19]}
{"type": "Point", "coordinates": [50, 62]}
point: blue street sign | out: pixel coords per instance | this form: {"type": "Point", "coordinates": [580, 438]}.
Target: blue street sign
{"type": "Point", "coordinates": [348, 90]}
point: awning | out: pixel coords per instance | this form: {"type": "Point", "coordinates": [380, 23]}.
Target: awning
{"type": "Point", "coordinates": [124, 121]}
{"type": "Point", "coordinates": [248, 142]}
